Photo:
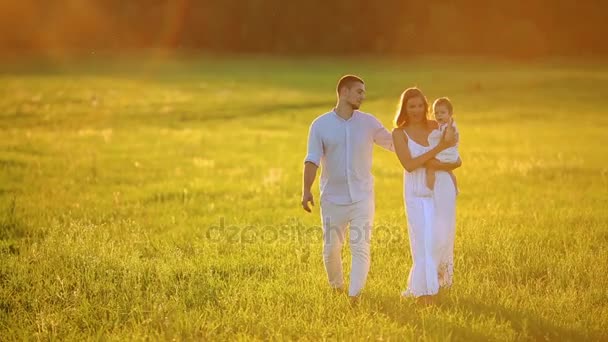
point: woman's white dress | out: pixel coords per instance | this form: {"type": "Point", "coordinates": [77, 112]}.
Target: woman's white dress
{"type": "Point", "coordinates": [431, 220]}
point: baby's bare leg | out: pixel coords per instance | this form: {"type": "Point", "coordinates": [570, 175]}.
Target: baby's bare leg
{"type": "Point", "coordinates": [430, 178]}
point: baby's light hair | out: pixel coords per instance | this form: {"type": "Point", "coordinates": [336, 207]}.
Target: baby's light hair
{"type": "Point", "coordinates": [443, 101]}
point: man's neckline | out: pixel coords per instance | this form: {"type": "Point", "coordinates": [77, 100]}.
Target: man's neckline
{"type": "Point", "coordinates": [343, 119]}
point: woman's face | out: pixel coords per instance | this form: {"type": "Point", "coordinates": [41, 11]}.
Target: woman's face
{"type": "Point", "coordinates": [415, 109]}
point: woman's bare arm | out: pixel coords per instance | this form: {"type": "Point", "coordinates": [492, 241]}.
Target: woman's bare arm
{"type": "Point", "coordinates": [439, 166]}
{"type": "Point", "coordinates": [404, 155]}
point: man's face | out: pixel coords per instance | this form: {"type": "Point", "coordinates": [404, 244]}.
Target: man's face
{"type": "Point", "coordinates": [355, 94]}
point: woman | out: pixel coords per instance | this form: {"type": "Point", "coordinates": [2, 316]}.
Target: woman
{"type": "Point", "coordinates": [429, 229]}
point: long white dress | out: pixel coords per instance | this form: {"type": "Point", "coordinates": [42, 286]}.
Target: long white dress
{"type": "Point", "coordinates": [431, 226]}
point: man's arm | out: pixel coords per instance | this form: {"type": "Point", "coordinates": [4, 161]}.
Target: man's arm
{"type": "Point", "coordinates": [310, 173]}
{"type": "Point", "coordinates": [383, 137]}
{"type": "Point", "coordinates": [311, 164]}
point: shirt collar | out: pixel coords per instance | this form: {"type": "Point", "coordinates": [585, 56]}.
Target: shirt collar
{"type": "Point", "coordinates": [341, 118]}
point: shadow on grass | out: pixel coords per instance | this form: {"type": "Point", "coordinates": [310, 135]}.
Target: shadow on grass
{"type": "Point", "coordinates": [405, 311]}
{"type": "Point", "coordinates": [525, 323]}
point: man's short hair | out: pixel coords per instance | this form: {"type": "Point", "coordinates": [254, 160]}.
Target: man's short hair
{"type": "Point", "coordinates": [348, 81]}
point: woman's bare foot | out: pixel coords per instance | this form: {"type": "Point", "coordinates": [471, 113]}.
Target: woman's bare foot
{"type": "Point", "coordinates": [355, 300]}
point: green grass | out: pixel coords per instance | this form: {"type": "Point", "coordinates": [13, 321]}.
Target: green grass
{"type": "Point", "coordinates": [160, 199]}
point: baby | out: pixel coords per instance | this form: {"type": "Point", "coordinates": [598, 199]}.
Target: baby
{"type": "Point", "coordinates": [443, 111]}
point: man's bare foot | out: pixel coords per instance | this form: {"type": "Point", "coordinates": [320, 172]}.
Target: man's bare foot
{"type": "Point", "coordinates": [425, 300]}
{"type": "Point", "coordinates": [339, 290]}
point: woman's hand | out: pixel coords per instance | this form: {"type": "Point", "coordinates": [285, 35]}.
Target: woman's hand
{"type": "Point", "coordinates": [448, 139]}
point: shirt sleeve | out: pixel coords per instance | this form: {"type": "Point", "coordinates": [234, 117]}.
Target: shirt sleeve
{"type": "Point", "coordinates": [315, 146]}
{"type": "Point", "coordinates": [382, 136]}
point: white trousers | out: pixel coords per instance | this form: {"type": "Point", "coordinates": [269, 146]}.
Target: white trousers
{"type": "Point", "coordinates": [335, 218]}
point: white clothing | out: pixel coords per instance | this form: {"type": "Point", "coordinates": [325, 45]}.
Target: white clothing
{"type": "Point", "coordinates": [450, 154]}
{"type": "Point", "coordinates": [431, 224]}
{"type": "Point", "coordinates": [335, 218]}
{"type": "Point", "coordinates": [343, 149]}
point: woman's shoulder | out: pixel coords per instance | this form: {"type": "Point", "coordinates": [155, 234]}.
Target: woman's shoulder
{"type": "Point", "coordinates": [432, 124]}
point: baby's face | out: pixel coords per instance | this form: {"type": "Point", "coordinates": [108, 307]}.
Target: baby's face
{"type": "Point", "coordinates": [442, 114]}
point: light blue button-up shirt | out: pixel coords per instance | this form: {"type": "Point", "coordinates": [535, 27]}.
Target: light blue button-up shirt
{"type": "Point", "coordinates": [343, 149]}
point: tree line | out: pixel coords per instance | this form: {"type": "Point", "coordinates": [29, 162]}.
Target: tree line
{"type": "Point", "coordinates": [518, 29]}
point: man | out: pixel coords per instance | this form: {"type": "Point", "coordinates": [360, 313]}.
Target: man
{"type": "Point", "coordinates": [342, 142]}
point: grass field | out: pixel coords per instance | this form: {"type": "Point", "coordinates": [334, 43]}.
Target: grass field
{"type": "Point", "coordinates": [159, 199]}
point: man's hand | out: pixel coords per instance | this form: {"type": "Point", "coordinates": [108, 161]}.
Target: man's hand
{"type": "Point", "coordinates": [307, 197]}
{"type": "Point", "coordinates": [310, 171]}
